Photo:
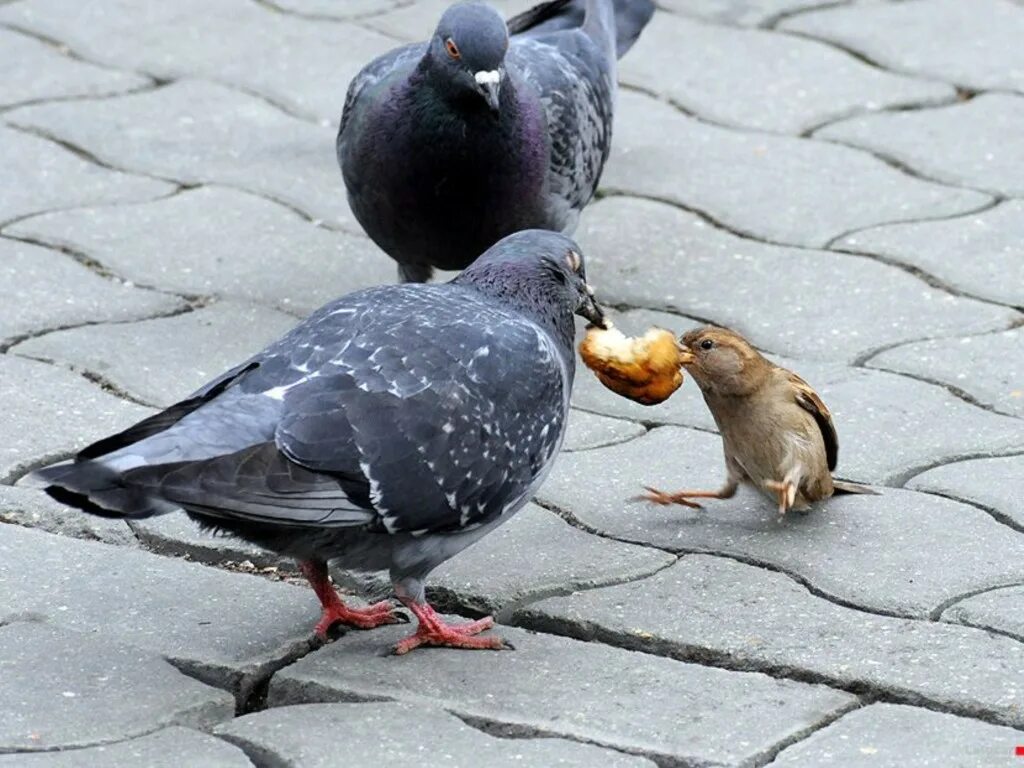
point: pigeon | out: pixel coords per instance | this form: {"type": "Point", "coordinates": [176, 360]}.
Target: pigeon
{"type": "Point", "coordinates": [391, 429]}
{"type": "Point", "coordinates": [489, 128]}
{"type": "Point", "coordinates": [776, 430]}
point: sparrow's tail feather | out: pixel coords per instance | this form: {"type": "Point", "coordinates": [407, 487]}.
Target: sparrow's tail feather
{"type": "Point", "coordinates": [843, 487]}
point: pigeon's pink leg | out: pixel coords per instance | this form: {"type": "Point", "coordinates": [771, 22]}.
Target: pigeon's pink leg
{"type": "Point", "coordinates": [335, 611]}
{"type": "Point", "coordinates": [433, 630]}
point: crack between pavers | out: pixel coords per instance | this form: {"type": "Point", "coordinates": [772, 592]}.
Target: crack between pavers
{"type": "Point", "coordinates": [92, 745]}
{"type": "Point", "coordinates": [769, 23]}
{"type": "Point", "coordinates": [945, 605]}
{"type": "Point", "coordinates": [768, 755]}
{"type": "Point", "coordinates": [101, 381]}
{"type": "Point", "coordinates": [354, 19]}
{"type": "Point", "coordinates": [649, 424]}
{"type": "Point", "coordinates": [152, 85]}
{"type": "Point", "coordinates": [900, 480]}
{"type": "Point", "coordinates": [911, 105]}
{"type": "Point", "coordinates": [867, 690]}
{"type": "Point", "coordinates": [613, 441]}
{"type": "Point", "coordinates": [997, 515]}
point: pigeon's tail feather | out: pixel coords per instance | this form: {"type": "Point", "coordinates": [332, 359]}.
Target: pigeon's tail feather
{"type": "Point", "coordinates": [843, 487]}
{"type": "Point", "coordinates": [629, 19]}
{"type": "Point", "coordinates": [96, 488]}
{"type": "Point", "coordinates": [599, 24]}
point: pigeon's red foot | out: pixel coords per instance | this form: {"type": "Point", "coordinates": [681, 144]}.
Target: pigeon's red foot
{"type": "Point", "coordinates": [433, 630]}
{"type": "Point", "coordinates": [336, 612]}
{"type": "Point", "coordinates": [371, 616]}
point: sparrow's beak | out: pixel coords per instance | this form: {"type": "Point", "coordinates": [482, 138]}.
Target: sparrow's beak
{"type": "Point", "coordinates": [489, 85]}
{"type": "Point", "coordinates": [592, 311]}
{"type": "Point", "coordinates": [685, 354]}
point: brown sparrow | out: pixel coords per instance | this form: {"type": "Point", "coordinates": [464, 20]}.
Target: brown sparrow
{"type": "Point", "coordinates": [777, 433]}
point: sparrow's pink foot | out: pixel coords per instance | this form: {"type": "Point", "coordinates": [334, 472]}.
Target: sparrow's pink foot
{"type": "Point", "coordinates": [433, 630]}
{"type": "Point", "coordinates": [336, 612]}
{"type": "Point", "coordinates": [786, 491]}
{"type": "Point", "coordinates": [682, 498]}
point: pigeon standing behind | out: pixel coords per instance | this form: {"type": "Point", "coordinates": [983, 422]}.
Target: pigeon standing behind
{"type": "Point", "coordinates": [391, 429]}
{"type": "Point", "coordinates": [776, 431]}
{"type": "Point", "coordinates": [448, 146]}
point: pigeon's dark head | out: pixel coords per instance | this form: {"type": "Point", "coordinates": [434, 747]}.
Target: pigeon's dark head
{"type": "Point", "coordinates": [467, 54]}
{"type": "Point", "coordinates": [540, 273]}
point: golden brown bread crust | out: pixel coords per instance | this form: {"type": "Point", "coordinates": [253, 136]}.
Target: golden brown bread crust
{"type": "Point", "coordinates": [647, 369]}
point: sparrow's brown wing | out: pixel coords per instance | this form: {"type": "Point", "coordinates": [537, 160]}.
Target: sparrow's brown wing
{"type": "Point", "coordinates": [808, 399]}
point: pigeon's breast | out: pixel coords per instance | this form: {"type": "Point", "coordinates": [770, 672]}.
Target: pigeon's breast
{"type": "Point", "coordinates": [439, 186]}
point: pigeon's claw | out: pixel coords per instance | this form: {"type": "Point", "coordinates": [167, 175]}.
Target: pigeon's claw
{"type": "Point", "coordinates": [371, 616]}
{"type": "Point", "coordinates": [664, 498]}
{"type": "Point", "coordinates": [433, 630]}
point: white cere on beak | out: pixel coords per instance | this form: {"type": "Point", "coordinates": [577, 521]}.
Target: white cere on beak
{"type": "Point", "coordinates": [487, 77]}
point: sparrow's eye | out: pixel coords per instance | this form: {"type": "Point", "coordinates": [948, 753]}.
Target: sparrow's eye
{"type": "Point", "coordinates": [452, 48]}
{"type": "Point", "coordinates": [707, 344]}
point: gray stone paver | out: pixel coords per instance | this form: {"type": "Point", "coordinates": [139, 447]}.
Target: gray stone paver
{"type": "Point", "coordinates": [134, 357]}
{"type": "Point", "coordinates": [757, 619]}
{"type": "Point", "coordinates": [80, 700]}
{"type": "Point", "coordinates": [308, 736]}
{"type": "Point", "coordinates": [875, 552]}
{"type": "Point", "coordinates": [52, 290]}
{"type": "Point", "coordinates": [783, 298]}
{"type": "Point", "coordinates": [990, 368]}
{"type": "Point", "coordinates": [971, 44]}
{"type": "Point", "coordinates": [205, 133]}
{"type": "Point", "coordinates": [992, 483]}
{"type": "Point", "coordinates": [33, 71]}
{"type": "Point", "coordinates": [229, 630]}
{"type": "Point", "coordinates": [167, 748]}
{"type": "Point", "coordinates": [51, 412]}
{"type": "Point", "coordinates": [989, 161]}
{"type": "Point", "coordinates": [146, 244]}
{"type": "Point", "coordinates": [997, 609]}
{"type": "Point", "coordinates": [51, 177]}
{"type": "Point", "coordinates": [604, 695]}
{"type": "Point", "coordinates": [819, 191]}
{"type": "Point", "coordinates": [890, 734]}
{"type": "Point", "coordinates": [763, 80]}
{"type": "Point", "coordinates": [312, 63]}
{"type": "Point", "coordinates": [979, 254]}
{"type": "Point", "coordinates": [150, 288]}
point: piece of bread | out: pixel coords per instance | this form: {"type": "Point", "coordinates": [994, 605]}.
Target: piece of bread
{"type": "Point", "coordinates": [646, 369]}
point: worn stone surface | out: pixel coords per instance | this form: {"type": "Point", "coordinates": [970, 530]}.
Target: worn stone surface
{"type": "Point", "coordinates": [224, 628]}
{"type": "Point", "coordinates": [785, 299]}
{"type": "Point", "coordinates": [308, 735]}
{"type": "Point", "coordinates": [32, 508]}
{"type": "Point", "coordinates": [312, 63]}
{"type": "Point", "coordinates": [997, 609]}
{"type": "Point", "coordinates": [890, 734]}
{"type": "Point", "coordinates": [51, 412]}
{"type": "Point", "coordinates": [763, 80]}
{"type": "Point", "coordinates": [236, 245]}
{"type": "Point", "coordinates": [818, 191]}
{"type": "Point", "coordinates": [606, 696]}
{"type": "Point", "coordinates": [490, 575]}
{"type": "Point", "coordinates": [136, 358]}
{"type": "Point", "coordinates": [992, 483]}
{"type": "Point", "coordinates": [33, 71]}
{"type": "Point", "coordinates": [417, 20]}
{"type": "Point", "coordinates": [747, 13]}
{"type": "Point", "coordinates": [876, 552]}
{"type": "Point", "coordinates": [180, 536]}
{"type": "Point", "coordinates": [332, 9]}
{"type": "Point", "coordinates": [588, 430]}
{"type": "Point", "coordinates": [50, 177]}
{"type": "Point", "coordinates": [751, 618]}
{"type": "Point", "coordinates": [973, 44]}
{"type": "Point", "coordinates": [989, 161]}
{"type": "Point", "coordinates": [41, 289]}
{"type": "Point", "coordinates": [989, 368]}
{"type": "Point", "coordinates": [980, 254]}
{"type": "Point", "coordinates": [167, 748]}
{"type": "Point", "coordinates": [206, 133]}
{"type": "Point", "coordinates": [82, 701]}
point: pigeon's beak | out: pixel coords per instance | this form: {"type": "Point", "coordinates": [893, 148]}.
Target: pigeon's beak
{"type": "Point", "coordinates": [489, 85]}
{"type": "Point", "coordinates": [592, 311]}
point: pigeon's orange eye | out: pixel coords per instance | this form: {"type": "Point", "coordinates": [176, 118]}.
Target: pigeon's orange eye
{"type": "Point", "coordinates": [452, 48]}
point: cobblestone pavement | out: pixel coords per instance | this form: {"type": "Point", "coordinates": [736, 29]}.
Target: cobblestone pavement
{"type": "Point", "coordinates": [841, 180]}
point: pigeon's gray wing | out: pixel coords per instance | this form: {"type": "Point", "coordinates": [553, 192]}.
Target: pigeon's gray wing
{"type": "Point", "coordinates": [413, 426]}
{"type": "Point", "coordinates": [631, 16]}
{"type": "Point", "coordinates": [575, 81]}
{"type": "Point", "coordinates": [377, 74]}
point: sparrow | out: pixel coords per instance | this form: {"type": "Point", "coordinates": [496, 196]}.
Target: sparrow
{"type": "Point", "coordinates": [777, 432]}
